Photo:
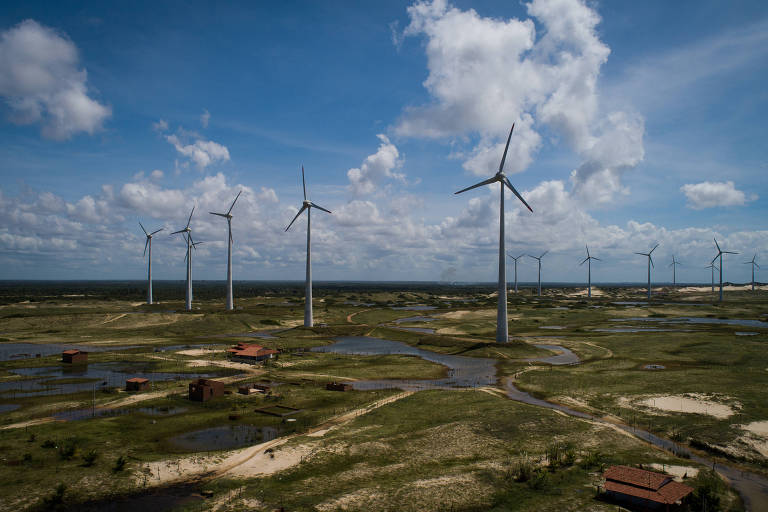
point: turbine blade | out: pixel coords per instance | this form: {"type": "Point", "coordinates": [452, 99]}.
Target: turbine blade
{"type": "Point", "coordinates": [142, 228]}
{"type": "Point", "coordinates": [587, 250]}
{"type": "Point", "coordinates": [219, 214]}
{"type": "Point", "coordinates": [729, 252]}
{"type": "Point", "coordinates": [654, 248]}
{"type": "Point", "coordinates": [179, 231]}
{"type": "Point", "coordinates": [320, 207]}
{"type": "Point", "coordinates": [596, 259]}
{"type": "Point", "coordinates": [717, 244]}
{"type": "Point", "coordinates": [145, 247]}
{"type": "Point", "coordinates": [486, 182]}
{"type": "Point", "coordinates": [296, 217]}
{"type": "Point", "coordinates": [303, 183]}
{"type": "Point", "coordinates": [651, 258]}
{"type": "Point", "coordinates": [233, 202]}
{"type": "Point", "coordinates": [504, 156]}
{"type": "Point", "coordinates": [190, 216]}
{"type": "Point", "coordinates": [542, 254]}
{"type": "Point", "coordinates": [156, 231]}
{"type": "Point", "coordinates": [514, 191]}
{"type": "Point", "coordinates": [583, 262]}
{"type": "Point", "coordinates": [713, 259]}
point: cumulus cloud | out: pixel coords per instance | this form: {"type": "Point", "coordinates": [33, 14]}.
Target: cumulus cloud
{"type": "Point", "coordinates": [710, 194]}
{"type": "Point", "coordinates": [202, 152]}
{"type": "Point", "coordinates": [42, 82]}
{"type": "Point", "coordinates": [204, 118]}
{"type": "Point", "coordinates": [485, 73]}
{"type": "Point", "coordinates": [160, 126]}
{"type": "Point", "coordinates": [375, 168]}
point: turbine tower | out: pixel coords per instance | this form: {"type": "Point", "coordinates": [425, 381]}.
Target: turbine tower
{"type": "Point", "coordinates": [148, 243]}
{"type": "Point", "coordinates": [588, 261]}
{"type": "Point", "coordinates": [753, 263]}
{"type": "Point", "coordinates": [186, 233]}
{"type": "Point", "coordinates": [713, 267]}
{"type": "Point", "coordinates": [539, 260]}
{"type": "Point", "coordinates": [515, 267]}
{"type": "Point", "coordinates": [502, 335]}
{"type": "Point", "coordinates": [720, 253]}
{"type": "Point", "coordinates": [228, 216]}
{"type": "Point", "coordinates": [650, 264]}
{"type": "Point", "coordinates": [674, 264]}
{"type": "Point", "coordinates": [307, 205]}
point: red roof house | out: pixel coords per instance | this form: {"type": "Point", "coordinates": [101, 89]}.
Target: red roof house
{"type": "Point", "coordinates": [74, 356]}
{"type": "Point", "coordinates": [647, 489]}
{"type": "Point", "coordinates": [137, 384]}
{"type": "Point", "coordinates": [250, 352]}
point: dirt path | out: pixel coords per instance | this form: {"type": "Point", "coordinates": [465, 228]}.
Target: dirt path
{"type": "Point", "coordinates": [252, 461]}
{"type": "Point", "coordinates": [117, 317]}
{"type": "Point", "coordinates": [349, 316]}
{"type": "Point", "coordinates": [609, 352]}
{"type": "Point", "coordinates": [29, 423]}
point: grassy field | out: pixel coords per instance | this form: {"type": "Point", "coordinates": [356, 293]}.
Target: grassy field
{"type": "Point", "coordinates": [433, 450]}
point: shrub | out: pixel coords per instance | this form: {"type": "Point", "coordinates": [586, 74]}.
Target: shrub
{"type": "Point", "coordinates": [89, 459]}
{"type": "Point", "coordinates": [120, 464]}
{"type": "Point", "coordinates": [48, 443]}
{"type": "Point", "coordinates": [707, 490]}
{"type": "Point", "coordinates": [67, 449]}
{"type": "Point", "coordinates": [55, 500]}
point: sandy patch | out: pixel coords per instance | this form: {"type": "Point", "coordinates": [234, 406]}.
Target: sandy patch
{"type": "Point", "coordinates": [267, 464]}
{"type": "Point", "coordinates": [450, 330]}
{"type": "Point", "coordinates": [358, 500]}
{"type": "Point", "coordinates": [689, 404]}
{"type": "Point", "coordinates": [757, 427]}
{"type": "Point", "coordinates": [199, 352]}
{"type": "Point", "coordinates": [679, 472]}
{"type": "Point", "coordinates": [224, 364]}
{"type": "Point", "coordinates": [596, 292]}
{"type": "Point", "coordinates": [29, 423]}
{"type": "Point", "coordinates": [464, 314]}
{"type": "Point", "coordinates": [756, 436]}
{"type": "Point", "coordinates": [138, 397]}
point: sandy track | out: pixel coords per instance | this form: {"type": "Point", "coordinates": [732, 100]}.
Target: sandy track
{"type": "Point", "coordinates": [29, 423]}
{"type": "Point", "coordinates": [251, 461]}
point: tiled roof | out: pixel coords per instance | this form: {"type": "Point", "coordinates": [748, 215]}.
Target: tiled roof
{"type": "Point", "coordinates": [137, 379]}
{"type": "Point", "coordinates": [634, 476]}
{"type": "Point", "coordinates": [71, 352]}
{"type": "Point", "coordinates": [243, 349]}
{"type": "Point", "coordinates": [648, 485]}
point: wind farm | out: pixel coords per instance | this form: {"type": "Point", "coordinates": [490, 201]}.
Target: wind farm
{"type": "Point", "coordinates": [397, 348]}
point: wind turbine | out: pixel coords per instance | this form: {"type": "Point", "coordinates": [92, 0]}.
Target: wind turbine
{"type": "Point", "coordinates": [307, 205]}
{"type": "Point", "coordinates": [720, 253]}
{"type": "Point", "coordinates": [650, 264]}
{"type": "Point", "coordinates": [515, 267]}
{"type": "Point", "coordinates": [754, 264]}
{"type": "Point", "coordinates": [186, 233]}
{"type": "Point", "coordinates": [148, 243]}
{"type": "Point", "coordinates": [674, 265]}
{"type": "Point", "coordinates": [588, 261]}
{"type": "Point", "coordinates": [502, 335]}
{"type": "Point", "coordinates": [228, 216]}
{"type": "Point", "coordinates": [713, 267]}
{"type": "Point", "coordinates": [539, 260]}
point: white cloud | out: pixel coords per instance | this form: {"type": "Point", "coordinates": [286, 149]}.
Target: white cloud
{"type": "Point", "coordinates": [204, 118]}
{"type": "Point", "coordinates": [375, 168]}
{"type": "Point", "coordinates": [41, 82]}
{"type": "Point", "coordinates": [160, 126]}
{"type": "Point", "coordinates": [202, 152]}
{"type": "Point", "coordinates": [157, 174]}
{"type": "Point", "coordinates": [712, 194]}
{"type": "Point", "coordinates": [485, 73]}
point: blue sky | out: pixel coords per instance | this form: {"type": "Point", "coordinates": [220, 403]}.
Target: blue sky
{"type": "Point", "coordinates": [637, 123]}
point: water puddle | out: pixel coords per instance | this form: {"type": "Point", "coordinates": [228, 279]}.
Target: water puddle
{"type": "Point", "coordinates": [12, 351]}
{"type": "Point", "coordinates": [223, 438]}
{"type": "Point", "coordinates": [423, 330]}
{"type": "Point", "coordinates": [746, 333]}
{"type": "Point", "coordinates": [639, 329]}
{"type": "Point", "coordinates": [654, 367]}
{"type": "Point", "coordinates": [57, 380]}
{"type": "Point", "coordinates": [696, 320]}
{"type": "Point", "coordinates": [106, 412]}
{"type": "Point", "coordinates": [462, 371]}
{"type": "Point", "coordinates": [415, 319]}
{"type": "Point", "coordinates": [553, 327]}
{"type": "Point", "coordinates": [8, 407]}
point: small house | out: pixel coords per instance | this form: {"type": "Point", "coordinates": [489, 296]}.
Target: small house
{"type": "Point", "coordinates": [203, 390]}
{"type": "Point", "coordinates": [137, 384]}
{"type": "Point", "coordinates": [251, 353]}
{"type": "Point", "coordinates": [648, 490]}
{"type": "Point", "coordinates": [338, 386]}
{"type": "Point", "coordinates": [74, 356]}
